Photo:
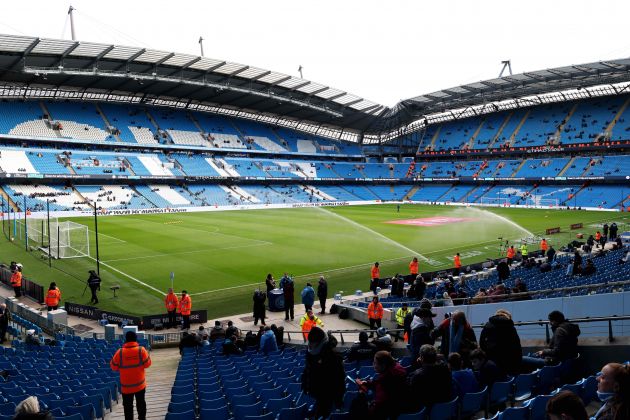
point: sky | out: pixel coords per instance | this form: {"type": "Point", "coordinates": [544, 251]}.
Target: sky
{"type": "Point", "coordinates": [384, 51]}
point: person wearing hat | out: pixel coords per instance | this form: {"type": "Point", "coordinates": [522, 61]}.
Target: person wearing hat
{"type": "Point", "coordinates": [401, 313]}
{"type": "Point", "coordinates": [421, 327]}
{"type": "Point", "coordinates": [383, 340]}
{"type": "Point", "coordinates": [185, 307]}
{"type": "Point", "coordinates": [94, 283]}
{"type": "Point", "coordinates": [131, 361]}
{"type": "Point", "coordinates": [324, 376]}
{"type": "Point", "coordinates": [217, 332]}
{"type": "Point", "coordinates": [31, 338]}
{"type": "Point", "coordinates": [53, 296]}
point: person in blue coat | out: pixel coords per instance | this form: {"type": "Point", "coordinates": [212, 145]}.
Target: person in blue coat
{"type": "Point", "coordinates": [308, 297]}
{"type": "Point", "coordinates": [268, 341]}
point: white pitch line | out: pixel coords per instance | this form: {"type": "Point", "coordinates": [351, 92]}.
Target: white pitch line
{"type": "Point", "coordinates": [131, 277]}
{"type": "Point", "coordinates": [112, 237]}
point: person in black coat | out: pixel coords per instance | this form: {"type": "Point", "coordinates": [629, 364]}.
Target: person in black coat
{"type": "Point", "coordinates": [259, 306]}
{"type": "Point", "coordinates": [4, 321]}
{"type": "Point", "coordinates": [420, 287]}
{"type": "Point", "coordinates": [577, 263]}
{"type": "Point", "coordinates": [322, 293]}
{"type": "Point", "coordinates": [270, 283]}
{"type": "Point", "coordinates": [94, 282]}
{"type": "Point", "coordinates": [431, 383]}
{"type": "Point", "coordinates": [613, 231]}
{"type": "Point", "coordinates": [551, 253]}
{"type": "Point", "coordinates": [503, 270]}
{"type": "Point", "coordinates": [420, 327]}
{"type": "Point", "coordinates": [501, 343]}
{"type": "Point", "coordinates": [324, 376]}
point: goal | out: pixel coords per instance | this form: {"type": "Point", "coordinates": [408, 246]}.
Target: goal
{"type": "Point", "coordinates": [64, 240]}
{"type": "Point", "coordinates": [495, 201]}
{"type": "Point", "coordinates": [535, 201]}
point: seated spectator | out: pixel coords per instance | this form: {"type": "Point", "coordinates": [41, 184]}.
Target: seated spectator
{"type": "Point", "coordinates": [589, 268]}
{"type": "Point", "coordinates": [32, 339]}
{"type": "Point", "coordinates": [486, 371]}
{"type": "Point", "coordinates": [205, 339]}
{"type": "Point", "coordinates": [446, 299]}
{"type": "Point", "coordinates": [613, 389]}
{"type": "Point", "coordinates": [389, 387]}
{"type": "Point", "coordinates": [232, 330]}
{"type": "Point", "coordinates": [268, 341]}
{"type": "Point", "coordinates": [421, 328]}
{"type": "Point", "coordinates": [501, 343]}
{"type": "Point", "coordinates": [188, 340]}
{"type": "Point", "coordinates": [383, 340]}
{"type": "Point", "coordinates": [279, 333]}
{"type": "Point", "coordinates": [562, 346]}
{"type": "Point", "coordinates": [230, 347]}
{"type": "Point", "coordinates": [217, 332]}
{"type": "Point", "coordinates": [520, 287]}
{"type": "Point", "coordinates": [29, 409]}
{"type": "Point", "coordinates": [363, 350]}
{"type": "Point", "coordinates": [457, 336]}
{"type": "Point", "coordinates": [464, 380]}
{"type": "Point", "coordinates": [480, 297]}
{"type": "Point", "coordinates": [431, 383]}
{"type": "Point", "coordinates": [498, 294]}
{"type": "Point", "coordinates": [565, 405]}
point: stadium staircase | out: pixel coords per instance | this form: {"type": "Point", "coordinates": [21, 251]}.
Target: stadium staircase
{"type": "Point", "coordinates": [445, 195]}
{"type": "Point", "coordinates": [500, 130]}
{"type": "Point", "coordinates": [588, 167]}
{"type": "Point", "coordinates": [50, 118]}
{"type": "Point", "coordinates": [518, 168]}
{"type": "Point", "coordinates": [558, 133]}
{"type": "Point", "coordinates": [82, 197]}
{"type": "Point", "coordinates": [161, 133]}
{"type": "Point", "coordinates": [622, 109]}
{"type": "Point", "coordinates": [567, 166]}
{"type": "Point", "coordinates": [471, 142]}
{"type": "Point", "coordinates": [464, 199]}
{"type": "Point", "coordinates": [6, 197]}
{"type": "Point", "coordinates": [129, 167]}
{"type": "Point", "coordinates": [411, 193]}
{"type": "Point", "coordinates": [518, 128]}
{"type": "Point", "coordinates": [201, 130]}
{"type": "Point", "coordinates": [435, 137]}
{"type": "Point", "coordinates": [133, 188]}
{"type": "Point", "coordinates": [106, 120]}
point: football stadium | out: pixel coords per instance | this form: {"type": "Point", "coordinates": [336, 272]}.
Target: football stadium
{"type": "Point", "coordinates": [461, 254]}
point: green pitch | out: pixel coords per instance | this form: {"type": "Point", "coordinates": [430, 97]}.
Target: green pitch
{"type": "Point", "coordinates": [221, 257]}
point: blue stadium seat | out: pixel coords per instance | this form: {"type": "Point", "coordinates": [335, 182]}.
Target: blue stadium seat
{"type": "Point", "coordinates": [275, 405]}
{"type": "Point", "coordinates": [515, 413]}
{"type": "Point", "coordinates": [500, 393]}
{"type": "Point", "coordinates": [270, 393]}
{"type": "Point", "coordinates": [7, 408]}
{"type": "Point", "coordinates": [537, 406]}
{"type": "Point", "coordinates": [268, 416]}
{"type": "Point", "coordinates": [246, 399]}
{"type": "Point", "coordinates": [297, 413]}
{"type": "Point", "coordinates": [472, 402]}
{"type": "Point", "coordinates": [420, 415]}
{"type": "Point", "coordinates": [85, 411]}
{"type": "Point", "coordinates": [444, 411]}
{"type": "Point", "coordinates": [219, 413]}
{"type": "Point", "coordinates": [548, 378]}
{"type": "Point", "coordinates": [97, 402]}
{"type": "Point", "coordinates": [185, 415]}
{"type": "Point", "coordinates": [241, 411]}
{"type": "Point", "coordinates": [523, 386]}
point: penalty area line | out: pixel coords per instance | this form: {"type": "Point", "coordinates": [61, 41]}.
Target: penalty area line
{"type": "Point", "coordinates": [131, 277]}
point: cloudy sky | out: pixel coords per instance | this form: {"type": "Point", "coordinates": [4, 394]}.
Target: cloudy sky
{"type": "Point", "coordinates": [384, 51]}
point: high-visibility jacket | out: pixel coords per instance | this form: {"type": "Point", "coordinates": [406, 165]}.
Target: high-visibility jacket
{"type": "Point", "coordinates": [185, 305]}
{"type": "Point", "coordinates": [53, 297]}
{"type": "Point", "coordinates": [598, 236]}
{"type": "Point", "coordinates": [375, 311]}
{"type": "Point", "coordinates": [171, 302]}
{"type": "Point", "coordinates": [307, 324]}
{"type": "Point", "coordinates": [131, 361]}
{"type": "Point", "coordinates": [376, 272]}
{"type": "Point", "coordinates": [400, 316]}
{"type": "Point", "coordinates": [457, 261]}
{"type": "Point", "coordinates": [511, 252]}
{"type": "Point", "coordinates": [16, 279]}
{"type": "Point", "coordinates": [543, 245]}
{"type": "Point", "coordinates": [413, 267]}
{"type": "Point", "coordinates": [524, 250]}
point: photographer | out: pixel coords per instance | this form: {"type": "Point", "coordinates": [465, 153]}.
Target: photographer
{"type": "Point", "coordinates": [94, 282]}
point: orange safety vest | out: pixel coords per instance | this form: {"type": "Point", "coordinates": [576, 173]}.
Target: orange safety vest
{"type": "Point", "coordinates": [307, 324]}
{"type": "Point", "coordinates": [511, 252]}
{"type": "Point", "coordinates": [171, 302]}
{"type": "Point", "coordinates": [543, 245]}
{"type": "Point", "coordinates": [413, 267]}
{"type": "Point", "coordinates": [376, 272]}
{"type": "Point", "coordinates": [458, 263]}
{"type": "Point", "coordinates": [185, 305]}
{"type": "Point", "coordinates": [53, 297]}
{"type": "Point", "coordinates": [598, 236]}
{"type": "Point", "coordinates": [375, 311]}
{"type": "Point", "coordinates": [16, 279]}
{"type": "Point", "coordinates": [131, 361]}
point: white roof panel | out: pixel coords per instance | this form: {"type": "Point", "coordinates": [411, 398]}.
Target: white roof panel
{"type": "Point", "coordinates": [312, 87]}
{"type": "Point", "coordinates": [52, 46]}
{"type": "Point", "coordinates": [205, 64]}
{"type": "Point", "coordinates": [122, 53]}
{"type": "Point", "coordinates": [292, 82]}
{"type": "Point", "coordinates": [179, 60]}
{"type": "Point", "coordinates": [229, 68]}
{"type": "Point", "coordinates": [12, 43]}
{"type": "Point", "coordinates": [88, 49]}
{"type": "Point", "coordinates": [272, 77]}
{"type": "Point", "coordinates": [151, 56]}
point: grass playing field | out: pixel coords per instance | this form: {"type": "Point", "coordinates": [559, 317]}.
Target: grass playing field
{"type": "Point", "coordinates": [221, 257]}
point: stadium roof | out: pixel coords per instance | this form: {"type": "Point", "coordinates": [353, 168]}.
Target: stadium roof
{"type": "Point", "coordinates": [49, 68]}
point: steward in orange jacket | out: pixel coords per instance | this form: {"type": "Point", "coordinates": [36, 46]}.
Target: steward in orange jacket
{"type": "Point", "coordinates": [185, 307]}
{"type": "Point", "coordinates": [308, 321]}
{"type": "Point", "coordinates": [375, 276]}
{"type": "Point", "coordinates": [171, 302]}
{"type": "Point", "coordinates": [53, 297]}
{"type": "Point", "coordinates": [543, 245]}
{"type": "Point", "coordinates": [458, 265]}
{"type": "Point", "coordinates": [510, 253]}
{"type": "Point", "coordinates": [375, 314]}
{"type": "Point", "coordinates": [16, 281]}
{"type": "Point", "coordinates": [413, 266]}
{"type": "Point", "coordinates": [131, 361]}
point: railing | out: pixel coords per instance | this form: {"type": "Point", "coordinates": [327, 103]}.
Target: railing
{"type": "Point", "coordinates": [29, 288]}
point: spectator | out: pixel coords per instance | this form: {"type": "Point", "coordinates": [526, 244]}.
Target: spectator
{"type": "Point", "coordinates": [279, 333]}
{"type": "Point", "coordinates": [551, 253]}
{"type": "Point", "coordinates": [503, 270]}
{"type": "Point", "coordinates": [217, 332]}
{"type": "Point", "coordinates": [401, 313]}
{"type": "Point", "coordinates": [204, 339]}
{"type": "Point", "coordinates": [53, 296]}
{"type": "Point", "coordinates": [259, 306]}
{"type": "Point", "coordinates": [188, 340]}
{"type": "Point", "coordinates": [231, 330]}
{"type": "Point", "coordinates": [421, 328]}
{"type": "Point", "coordinates": [431, 383]}
{"type": "Point", "coordinates": [131, 361]}
{"type": "Point", "coordinates": [464, 380]}
{"type": "Point", "coordinates": [5, 317]}
{"type": "Point", "coordinates": [389, 387]}
{"type": "Point", "coordinates": [268, 341]}
{"type": "Point", "coordinates": [480, 296]}
{"type": "Point", "coordinates": [383, 340]}
{"type": "Point", "coordinates": [324, 376]}
{"type": "Point", "coordinates": [375, 314]}
{"type": "Point", "coordinates": [363, 350]}
{"type": "Point", "coordinates": [32, 339]}
{"type": "Point", "coordinates": [565, 405]}
{"type": "Point", "coordinates": [375, 276]}
{"type": "Point", "coordinates": [308, 297]}
{"type": "Point", "coordinates": [589, 268]}
{"type": "Point", "coordinates": [230, 347]}
{"type": "Point", "coordinates": [16, 279]}
{"type": "Point", "coordinates": [322, 293]}
{"type": "Point", "coordinates": [270, 283]}
{"type": "Point", "coordinates": [520, 287]}
{"type": "Point", "coordinates": [501, 343]}
{"type": "Point", "coordinates": [457, 336]}
{"type": "Point", "coordinates": [577, 263]}
{"type": "Point", "coordinates": [446, 299]}
{"type": "Point", "coordinates": [563, 343]}
{"type": "Point", "coordinates": [419, 287]}
{"type": "Point", "coordinates": [486, 371]}
{"type": "Point", "coordinates": [613, 389]}
{"type": "Point", "coordinates": [29, 409]}
{"type": "Point", "coordinates": [498, 294]}
{"type": "Point", "coordinates": [288, 291]}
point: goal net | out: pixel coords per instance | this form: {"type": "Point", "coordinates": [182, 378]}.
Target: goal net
{"type": "Point", "coordinates": [495, 201]}
{"type": "Point", "coordinates": [535, 201]}
{"type": "Point", "coordinates": [63, 240]}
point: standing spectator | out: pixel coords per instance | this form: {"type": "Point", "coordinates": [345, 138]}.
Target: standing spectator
{"type": "Point", "coordinates": [413, 268]}
{"type": "Point", "coordinates": [389, 386]}
{"type": "Point", "coordinates": [270, 283]}
{"type": "Point", "coordinates": [419, 287]}
{"type": "Point", "coordinates": [598, 238]}
{"type": "Point", "coordinates": [401, 313]}
{"type": "Point", "coordinates": [53, 296]}
{"type": "Point", "coordinates": [613, 389]}
{"type": "Point", "coordinates": [131, 361]}
{"type": "Point", "coordinates": [259, 306]}
{"type": "Point", "coordinates": [185, 307]}
{"type": "Point", "coordinates": [5, 317]}
{"type": "Point", "coordinates": [464, 380]}
{"type": "Point", "coordinates": [288, 291]}
{"type": "Point", "coordinates": [363, 350]}
{"type": "Point", "coordinates": [577, 263]}
{"type": "Point", "coordinates": [308, 297]}
{"type": "Point", "coordinates": [524, 251]}
{"type": "Point", "coordinates": [457, 336]}
{"type": "Point", "coordinates": [322, 293]}
{"type": "Point", "coordinates": [94, 283]}
{"type": "Point", "coordinates": [613, 231]}
{"type": "Point", "coordinates": [486, 371]}
{"type": "Point", "coordinates": [217, 332]}
{"type": "Point", "coordinates": [421, 328]}
{"type": "Point", "coordinates": [375, 277]}
{"type": "Point", "coordinates": [565, 405]}
{"type": "Point", "coordinates": [605, 229]}
{"type": "Point", "coordinates": [501, 343]}
{"type": "Point", "coordinates": [432, 382]}
{"type": "Point", "coordinates": [279, 333]}
{"type": "Point", "coordinates": [503, 270]}
{"type": "Point", "coordinates": [16, 280]}
{"type": "Point", "coordinates": [375, 314]}
{"type": "Point", "coordinates": [268, 341]}
{"type": "Point", "coordinates": [563, 343]}
{"type": "Point", "coordinates": [308, 321]}
{"type": "Point", "coordinates": [171, 302]}
{"type": "Point", "coordinates": [457, 262]}
{"type": "Point", "coordinates": [324, 376]}
{"type": "Point", "coordinates": [551, 253]}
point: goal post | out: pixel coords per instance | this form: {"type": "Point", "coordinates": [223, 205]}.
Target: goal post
{"type": "Point", "coordinates": [69, 240]}
{"type": "Point", "coordinates": [538, 202]}
{"type": "Point", "coordinates": [495, 201]}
